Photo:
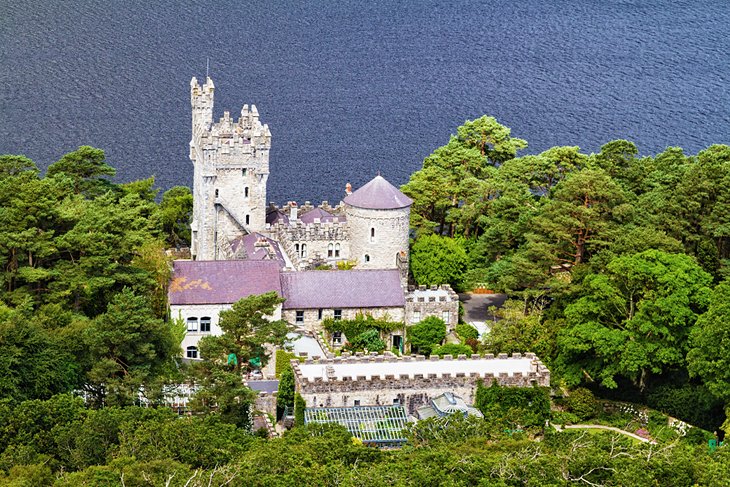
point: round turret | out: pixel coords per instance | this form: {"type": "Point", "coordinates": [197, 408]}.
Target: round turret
{"type": "Point", "coordinates": [378, 216]}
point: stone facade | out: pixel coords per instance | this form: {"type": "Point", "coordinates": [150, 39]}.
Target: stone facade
{"type": "Point", "coordinates": [193, 316]}
{"type": "Point", "coordinates": [411, 389]}
{"type": "Point", "coordinates": [312, 323]}
{"type": "Point", "coordinates": [378, 237]}
{"type": "Point", "coordinates": [440, 301]}
{"type": "Point", "coordinates": [230, 169]}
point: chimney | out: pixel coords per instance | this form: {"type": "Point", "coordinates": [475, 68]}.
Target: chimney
{"type": "Point", "coordinates": [293, 211]}
{"type": "Point", "coordinates": [348, 189]}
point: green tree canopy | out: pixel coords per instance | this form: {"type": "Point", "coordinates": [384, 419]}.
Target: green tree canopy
{"type": "Point", "coordinates": [427, 334]}
{"type": "Point", "coordinates": [438, 260]}
{"type": "Point", "coordinates": [634, 319]}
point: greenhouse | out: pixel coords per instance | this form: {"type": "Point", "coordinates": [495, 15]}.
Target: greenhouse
{"type": "Point", "coordinates": [379, 425]}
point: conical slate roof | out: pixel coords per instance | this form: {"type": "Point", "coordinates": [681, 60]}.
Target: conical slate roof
{"type": "Point", "coordinates": [378, 194]}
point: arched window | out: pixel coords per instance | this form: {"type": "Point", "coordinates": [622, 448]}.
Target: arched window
{"type": "Point", "coordinates": [372, 234]}
{"type": "Point", "coordinates": [192, 352]}
{"type": "Point", "coordinates": [193, 323]}
{"type": "Point", "coordinates": [296, 248]}
{"type": "Point", "coordinates": [304, 250]}
{"type": "Point", "coordinates": [330, 250]}
{"type": "Point", "coordinates": [205, 324]}
{"type": "Point", "coordinates": [367, 258]}
{"type": "Point", "coordinates": [337, 250]}
{"type": "Point", "coordinates": [245, 192]}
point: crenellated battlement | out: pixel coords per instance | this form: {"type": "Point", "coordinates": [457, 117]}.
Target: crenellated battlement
{"type": "Point", "coordinates": [519, 369]}
{"type": "Point", "coordinates": [410, 380]}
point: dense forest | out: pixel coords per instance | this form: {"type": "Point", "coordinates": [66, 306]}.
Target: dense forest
{"type": "Point", "coordinates": [614, 264]}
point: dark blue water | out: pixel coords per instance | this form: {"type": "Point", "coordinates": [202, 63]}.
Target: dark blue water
{"type": "Point", "coordinates": [350, 88]}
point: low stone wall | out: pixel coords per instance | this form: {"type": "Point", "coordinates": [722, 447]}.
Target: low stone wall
{"type": "Point", "coordinates": [266, 402]}
{"type": "Point", "coordinates": [412, 390]}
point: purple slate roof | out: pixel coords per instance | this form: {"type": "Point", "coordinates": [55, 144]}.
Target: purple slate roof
{"type": "Point", "coordinates": [221, 281]}
{"type": "Point", "coordinates": [378, 194]}
{"type": "Point", "coordinates": [324, 216]}
{"type": "Point", "coordinates": [342, 289]}
{"type": "Point", "coordinates": [258, 253]}
{"type": "Point", "coordinates": [277, 216]}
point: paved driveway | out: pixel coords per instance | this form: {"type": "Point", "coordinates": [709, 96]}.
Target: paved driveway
{"type": "Point", "coordinates": [475, 308]}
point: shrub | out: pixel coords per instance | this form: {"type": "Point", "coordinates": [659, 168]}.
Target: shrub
{"type": "Point", "coordinates": [427, 334]}
{"type": "Point", "coordinates": [514, 406]}
{"type": "Point", "coordinates": [368, 340]}
{"type": "Point", "coordinates": [466, 332]}
{"type": "Point", "coordinates": [454, 349]}
{"type": "Point", "coordinates": [582, 403]}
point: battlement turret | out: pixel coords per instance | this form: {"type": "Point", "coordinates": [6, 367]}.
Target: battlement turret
{"type": "Point", "coordinates": [231, 169]}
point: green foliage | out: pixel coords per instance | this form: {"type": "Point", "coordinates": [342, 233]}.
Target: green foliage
{"type": "Point", "coordinates": [176, 210]}
{"type": "Point", "coordinates": [285, 395]}
{"type": "Point", "coordinates": [246, 332]}
{"type": "Point", "coordinates": [514, 407]}
{"type": "Point", "coordinates": [634, 319]}
{"type": "Point", "coordinates": [283, 361]}
{"type": "Point", "coordinates": [127, 347]}
{"type": "Point", "coordinates": [466, 331]}
{"type": "Point", "coordinates": [582, 403]}
{"type": "Point", "coordinates": [85, 168]}
{"type": "Point", "coordinates": [427, 334]}
{"type": "Point", "coordinates": [346, 265]}
{"type": "Point", "coordinates": [453, 349]}
{"type": "Point", "coordinates": [709, 339]}
{"type": "Point", "coordinates": [438, 260]}
{"type": "Point", "coordinates": [364, 332]}
{"type": "Point", "coordinates": [299, 406]}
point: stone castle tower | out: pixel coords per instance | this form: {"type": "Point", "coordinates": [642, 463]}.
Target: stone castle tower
{"type": "Point", "coordinates": [378, 217]}
{"type": "Point", "coordinates": [231, 167]}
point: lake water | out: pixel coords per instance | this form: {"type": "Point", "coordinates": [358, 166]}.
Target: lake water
{"type": "Point", "coordinates": [349, 88]}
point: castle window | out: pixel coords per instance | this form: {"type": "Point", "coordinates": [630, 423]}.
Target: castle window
{"type": "Point", "coordinates": [243, 171]}
{"type": "Point", "coordinates": [337, 250]}
{"type": "Point", "coordinates": [245, 192]}
{"type": "Point", "coordinates": [330, 250]}
{"type": "Point", "coordinates": [193, 323]}
{"type": "Point", "coordinates": [445, 316]}
{"type": "Point", "coordinates": [192, 352]}
{"type": "Point", "coordinates": [357, 402]}
{"type": "Point", "coordinates": [205, 324]}
{"type": "Point", "coordinates": [319, 314]}
{"type": "Point", "coordinates": [337, 338]}
{"type": "Point", "coordinates": [304, 250]}
{"type": "Point", "coordinates": [248, 219]}
{"type": "Point", "coordinates": [216, 193]}
{"type": "Point", "coordinates": [416, 317]}
{"type": "Point", "coordinates": [300, 316]}
{"type": "Point", "coordinates": [372, 235]}
{"type": "Point", "coordinates": [296, 248]}
{"type": "Point", "coordinates": [367, 258]}
{"type": "Point", "coordinates": [338, 314]}
{"type": "Point", "coordinates": [396, 402]}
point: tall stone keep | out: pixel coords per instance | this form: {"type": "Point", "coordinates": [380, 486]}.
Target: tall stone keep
{"type": "Point", "coordinates": [378, 217]}
{"type": "Point", "coordinates": [231, 168]}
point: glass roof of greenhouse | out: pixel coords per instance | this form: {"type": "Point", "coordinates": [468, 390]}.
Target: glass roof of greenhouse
{"type": "Point", "coordinates": [371, 424]}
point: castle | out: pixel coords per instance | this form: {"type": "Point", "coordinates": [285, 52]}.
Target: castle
{"type": "Point", "coordinates": [242, 246]}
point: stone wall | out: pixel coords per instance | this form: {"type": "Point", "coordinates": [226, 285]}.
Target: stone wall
{"type": "Point", "coordinates": [313, 324]}
{"type": "Point", "coordinates": [391, 236]}
{"type": "Point", "coordinates": [440, 301]}
{"type": "Point", "coordinates": [411, 391]}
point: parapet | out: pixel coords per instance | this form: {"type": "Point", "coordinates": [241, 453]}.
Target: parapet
{"type": "Point", "coordinates": [388, 370]}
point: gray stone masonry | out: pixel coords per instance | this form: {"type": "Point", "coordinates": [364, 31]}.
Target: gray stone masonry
{"type": "Point", "coordinates": [410, 390]}
{"type": "Point", "coordinates": [440, 301]}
